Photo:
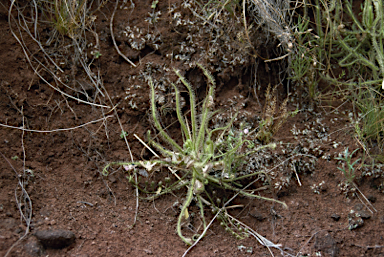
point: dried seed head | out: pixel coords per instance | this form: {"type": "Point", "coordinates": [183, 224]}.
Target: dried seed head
{"type": "Point", "coordinates": [199, 187]}
{"type": "Point", "coordinates": [210, 103]}
{"type": "Point", "coordinates": [340, 27]}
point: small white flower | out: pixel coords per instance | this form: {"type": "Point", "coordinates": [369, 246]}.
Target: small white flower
{"type": "Point", "coordinates": [128, 167]}
{"type": "Point", "coordinates": [147, 165]}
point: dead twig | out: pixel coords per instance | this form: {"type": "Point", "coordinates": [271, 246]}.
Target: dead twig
{"type": "Point", "coordinates": [26, 214]}
{"type": "Point", "coordinates": [55, 130]}
{"type": "Point", "coordinates": [113, 37]}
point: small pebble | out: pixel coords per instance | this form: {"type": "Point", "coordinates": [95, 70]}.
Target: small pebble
{"type": "Point", "coordinates": [55, 238]}
{"type": "Point", "coordinates": [372, 198]}
{"type": "Point", "coordinates": [256, 214]}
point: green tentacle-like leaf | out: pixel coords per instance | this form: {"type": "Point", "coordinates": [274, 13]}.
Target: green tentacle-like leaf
{"type": "Point", "coordinates": [163, 134]}
{"type": "Point", "coordinates": [160, 148]}
{"type": "Point", "coordinates": [207, 106]}
{"type": "Point", "coordinates": [180, 117]}
{"type": "Point", "coordinates": [271, 145]}
{"type": "Point", "coordinates": [211, 80]}
{"type": "Point", "coordinates": [379, 52]}
{"type": "Point", "coordinates": [354, 56]}
{"type": "Point", "coordinates": [192, 100]}
{"type": "Point", "coordinates": [231, 180]}
{"type": "Point", "coordinates": [202, 130]}
{"type": "Point", "coordinates": [242, 192]}
{"type": "Point", "coordinates": [184, 209]}
{"type": "Point", "coordinates": [105, 170]}
{"type": "Point", "coordinates": [205, 117]}
{"type": "Point", "coordinates": [348, 6]}
{"type": "Point", "coordinates": [223, 129]}
{"type": "Point", "coordinates": [174, 187]}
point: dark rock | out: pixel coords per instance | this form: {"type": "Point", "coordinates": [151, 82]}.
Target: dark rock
{"type": "Point", "coordinates": [335, 217]}
{"type": "Point", "coordinates": [364, 214]}
{"type": "Point", "coordinates": [55, 238]}
{"type": "Point", "coordinates": [372, 198]}
{"type": "Point", "coordinates": [33, 247]}
{"type": "Point", "coordinates": [325, 243]}
{"type": "Point", "coordinates": [256, 214]}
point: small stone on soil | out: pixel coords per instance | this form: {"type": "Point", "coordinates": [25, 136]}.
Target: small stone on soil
{"type": "Point", "coordinates": [326, 244]}
{"type": "Point", "coordinates": [55, 238]}
{"type": "Point", "coordinates": [256, 214]}
{"type": "Point", "coordinates": [364, 214]}
{"type": "Point", "coordinates": [372, 198]}
{"type": "Point", "coordinates": [335, 217]}
{"type": "Point", "coordinates": [33, 247]}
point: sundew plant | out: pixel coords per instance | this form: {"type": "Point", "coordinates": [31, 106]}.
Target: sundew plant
{"type": "Point", "coordinates": [206, 161]}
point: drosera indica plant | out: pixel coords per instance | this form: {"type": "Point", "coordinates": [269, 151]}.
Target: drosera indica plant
{"type": "Point", "coordinates": [348, 169]}
{"type": "Point", "coordinates": [204, 164]}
